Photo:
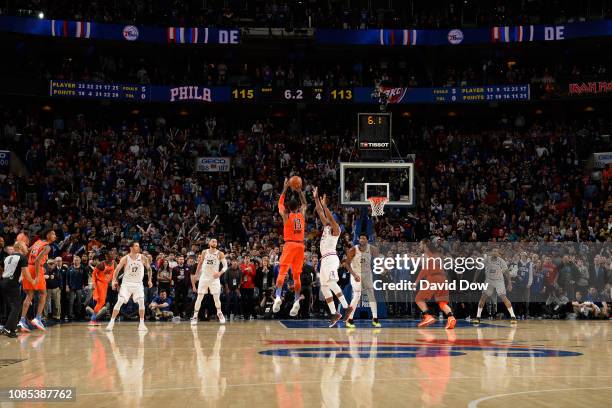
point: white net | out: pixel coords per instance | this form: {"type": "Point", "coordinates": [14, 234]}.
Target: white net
{"type": "Point", "coordinates": [378, 205]}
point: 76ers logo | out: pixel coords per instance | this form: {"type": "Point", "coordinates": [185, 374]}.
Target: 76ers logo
{"type": "Point", "coordinates": [130, 33]}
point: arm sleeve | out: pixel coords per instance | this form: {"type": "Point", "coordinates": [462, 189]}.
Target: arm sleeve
{"type": "Point", "coordinates": [281, 203]}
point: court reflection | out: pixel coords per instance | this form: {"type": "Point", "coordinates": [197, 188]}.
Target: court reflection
{"type": "Point", "coordinates": [129, 363]}
{"type": "Point", "coordinates": [208, 366]}
{"type": "Point", "coordinates": [434, 369]}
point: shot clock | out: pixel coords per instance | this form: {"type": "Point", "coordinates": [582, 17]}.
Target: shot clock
{"type": "Point", "coordinates": [374, 131]}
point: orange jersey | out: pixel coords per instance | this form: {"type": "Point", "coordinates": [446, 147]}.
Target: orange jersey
{"type": "Point", "coordinates": [106, 274]}
{"type": "Point", "coordinates": [294, 228]}
{"type": "Point", "coordinates": [38, 247]}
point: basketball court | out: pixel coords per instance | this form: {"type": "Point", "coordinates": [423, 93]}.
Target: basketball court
{"type": "Point", "coordinates": [298, 364]}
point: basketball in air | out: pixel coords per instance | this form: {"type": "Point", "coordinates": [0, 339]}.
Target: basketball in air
{"type": "Point", "coordinates": [295, 183]}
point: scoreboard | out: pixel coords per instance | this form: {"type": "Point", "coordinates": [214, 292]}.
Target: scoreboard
{"type": "Point", "coordinates": [268, 94]}
{"type": "Point", "coordinates": [90, 90]}
{"type": "Point", "coordinates": [374, 131]}
{"type": "Point", "coordinates": [284, 95]}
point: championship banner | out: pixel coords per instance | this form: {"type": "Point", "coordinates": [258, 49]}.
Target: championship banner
{"type": "Point", "coordinates": [5, 161]}
{"type": "Point", "coordinates": [601, 159]}
{"type": "Point", "coordinates": [213, 164]}
{"type": "Point", "coordinates": [119, 32]}
{"type": "Point", "coordinates": [497, 34]}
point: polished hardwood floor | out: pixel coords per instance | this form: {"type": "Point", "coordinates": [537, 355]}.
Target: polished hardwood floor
{"type": "Point", "coordinates": [302, 364]}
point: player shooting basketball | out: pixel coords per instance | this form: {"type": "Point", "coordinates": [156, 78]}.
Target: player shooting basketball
{"type": "Point", "coordinates": [294, 215]}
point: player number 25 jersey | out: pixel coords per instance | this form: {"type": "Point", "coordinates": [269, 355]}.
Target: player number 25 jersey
{"type": "Point", "coordinates": [210, 264]}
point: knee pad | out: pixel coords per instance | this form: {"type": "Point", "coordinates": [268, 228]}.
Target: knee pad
{"type": "Point", "coordinates": [141, 303]}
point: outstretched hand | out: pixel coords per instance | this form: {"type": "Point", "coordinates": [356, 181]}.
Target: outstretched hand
{"type": "Point", "coordinates": [315, 192]}
{"type": "Point", "coordinates": [324, 200]}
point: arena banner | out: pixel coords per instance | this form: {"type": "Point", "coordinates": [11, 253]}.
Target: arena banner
{"type": "Point", "coordinates": [213, 164]}
{"type": "Point", "coordinates": [601, 159]}
{"type": "Point", "coordinates": [5, 161]}
{"type": "Point", "coordinates": [119, 32]}
{"type": "Point", "coordinates": [455, 36]}
{"type": "Point", "coordinates": [591, 88]}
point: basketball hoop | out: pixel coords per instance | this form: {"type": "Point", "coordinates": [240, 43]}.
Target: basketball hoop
{"type": "Point", "coordinates": [378, 205]}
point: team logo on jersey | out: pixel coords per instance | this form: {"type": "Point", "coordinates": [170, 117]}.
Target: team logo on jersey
{"type": "Point", "coordinates": [455, 36]}
{"type": "Point", "coordinates": [130, 33]}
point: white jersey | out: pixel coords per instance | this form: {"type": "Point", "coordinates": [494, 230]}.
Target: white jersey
{"type": "Point", "coordinates": [210, 264]}
{"type": "Point", "coordinates": [494, 269]}
{"type": "Point", "coordinates": [328, 241]}
{"type": "Point", "coordinates": [134, 270]}
{"type": "Point", "coordinates": [362, 261]}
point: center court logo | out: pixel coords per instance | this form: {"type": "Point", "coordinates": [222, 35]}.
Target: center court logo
{"type": "Point", "coordinates": [455, 36]}
{"type": "Point", "coordinates": [420, 349]}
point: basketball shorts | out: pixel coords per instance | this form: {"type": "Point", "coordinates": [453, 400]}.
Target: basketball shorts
{"type": "Point", "coordinates": [364, 284]}
{"type": "Point", "coordinates": [438, 295]}
{"type": "Point", "coordinates": [329, 269]}
{"type": "Point", "coordinates": [204, 285]}
{"type": "Point", "coordinates": [496, 285]}
{"type": "Point", "coordinates": [40, 285]}
{"type": "Point", "coordinates": [134, 290]}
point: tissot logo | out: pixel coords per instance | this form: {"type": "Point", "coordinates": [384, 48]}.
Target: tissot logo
{"type": "Point", "coordinates": [374, 144]}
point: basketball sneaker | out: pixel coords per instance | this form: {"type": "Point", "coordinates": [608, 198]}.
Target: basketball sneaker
{"type": "Point", "coordinates": [194, 321]}
{"type": "Point", "coordinates": [142, 327]}
{"type": "Point", "coordinates": [451, 322]}
{"type": "Point", "coordinates": [376, 323]}
{"type": "Point", "coordinates": [23, 325]}
{"type": "Point", "coordinates": [513, 320]}
{"type": "Point", "coordinates": [428, 320]}
{"type": "Point", "coordinates": [37, 322]}
{"type": "Point", "coordinates": [221, 317]}
{"type": "Point", "coordinates": [295, 309]}
{"type": "Point", "coordinates": [93, 323]}
{"type": "Point", "coordinates": [8, 333]}
{"type": "Point", "coordinates": [110, 325]}
{"type": "Point", "coordinates": [476, 321]}
{"type": "Point", "coordinates": [350, 324]}
{"type": "Point", "coordinates": [335, 319]}
{"type": "Point", "coordinates": [277, 304]}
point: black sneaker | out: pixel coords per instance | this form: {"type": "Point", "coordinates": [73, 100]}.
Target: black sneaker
{"type": "Point", "coordinates": [513, 320]}
{"type": "Point", "coordinates": [475, 321]}
{"type": "Point", "coordinates": [8, 333]}
{"type": "Point", "coordinates": [335, 319]}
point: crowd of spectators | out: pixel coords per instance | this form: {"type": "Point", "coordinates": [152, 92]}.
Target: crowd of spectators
{"type": "Point", "coordinates": [317, 13]}
{"type": "Point", "coordinates": [101, 183]}
{"type": "Point", "coordinates": [547, 70]}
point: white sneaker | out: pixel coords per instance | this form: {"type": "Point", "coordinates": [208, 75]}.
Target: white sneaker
{"type": "Point", "coordinates": [277, 304]}
{"type": "Point", "coordinates": [221, 318]}
{"type": "Point", "coordinates": [295, 309]}
{"type": "Point", "coordinates": [110, 326]}
{"type": "Point", "coordinates": [142, 327]}
{"type": "Point", "coordinates": [194, 321]}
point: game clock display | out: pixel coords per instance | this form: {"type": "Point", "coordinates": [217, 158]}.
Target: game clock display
{"type": "Point", "coordinates": [310, 95]}
{"type": "Point", "coordinates": [374, 131]}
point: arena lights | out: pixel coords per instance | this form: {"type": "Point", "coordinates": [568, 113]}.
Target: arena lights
{"type": "Point", "coordinates": [41, 15]}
